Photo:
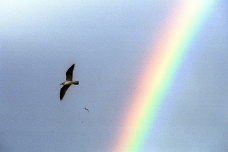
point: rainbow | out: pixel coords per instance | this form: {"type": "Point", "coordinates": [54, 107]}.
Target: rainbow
{"type": "Point", "coordinates": [161, 67]}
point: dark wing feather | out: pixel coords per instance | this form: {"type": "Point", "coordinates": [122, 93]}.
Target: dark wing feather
{"type": "Point", "coordinates": [69, 73]}
{"type": "Point", "coordinates": [63, 91]}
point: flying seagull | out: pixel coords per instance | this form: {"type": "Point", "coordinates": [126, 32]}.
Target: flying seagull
{"type": "Point", "coordinates": [69, 81]}
{"type": "Point", "coordinates": [86, 109]}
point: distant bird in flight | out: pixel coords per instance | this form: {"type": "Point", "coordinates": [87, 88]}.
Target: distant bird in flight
{"type": "Point", "coordinates": [66, 84]}
{"type": "Point", "coordinates": [86, 109]}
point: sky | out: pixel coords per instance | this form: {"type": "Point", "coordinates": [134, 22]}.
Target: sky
{"type": "Point", "coordinates": [108, 42]}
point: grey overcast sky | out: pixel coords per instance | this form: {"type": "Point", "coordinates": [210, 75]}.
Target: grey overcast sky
{"type": "Point", "coordinates": [40, 40]}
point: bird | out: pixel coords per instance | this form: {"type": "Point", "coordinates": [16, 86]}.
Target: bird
{"type": "Point", "coordinates": [69, 80]}
{"type": "Point", "coordinates": [86, 109]}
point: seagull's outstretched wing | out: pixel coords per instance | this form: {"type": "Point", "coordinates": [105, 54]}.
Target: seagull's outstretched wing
{"type": "Point", "coordinates": [63, 91]}
{"type": "Point", "coordinates": [69, 73]}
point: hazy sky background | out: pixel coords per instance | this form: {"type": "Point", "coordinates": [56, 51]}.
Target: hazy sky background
{"type": "Point", "coordinates": [40, 40]}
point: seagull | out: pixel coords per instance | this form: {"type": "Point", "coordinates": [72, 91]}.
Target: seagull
{"type": "Point", "coordinates": [66, 84]}
{"type": "Point", "coordinates": [86, 109]}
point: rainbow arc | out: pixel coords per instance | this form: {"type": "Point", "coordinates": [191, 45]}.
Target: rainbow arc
{"type": "Point", "coordinates": [161, 67]}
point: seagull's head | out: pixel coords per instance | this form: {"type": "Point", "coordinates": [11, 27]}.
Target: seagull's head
{"type": "Point", "coordinates": [62, 83]}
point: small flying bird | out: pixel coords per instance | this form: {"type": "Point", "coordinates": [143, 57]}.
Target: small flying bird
{"type": "Point", "coordinates": [69, 80]}
{"type": "Point", "coordinates": [87, 109]}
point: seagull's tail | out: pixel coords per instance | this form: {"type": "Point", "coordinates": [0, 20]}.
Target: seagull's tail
{"type": "Point", "coordinates": [76, 82]}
